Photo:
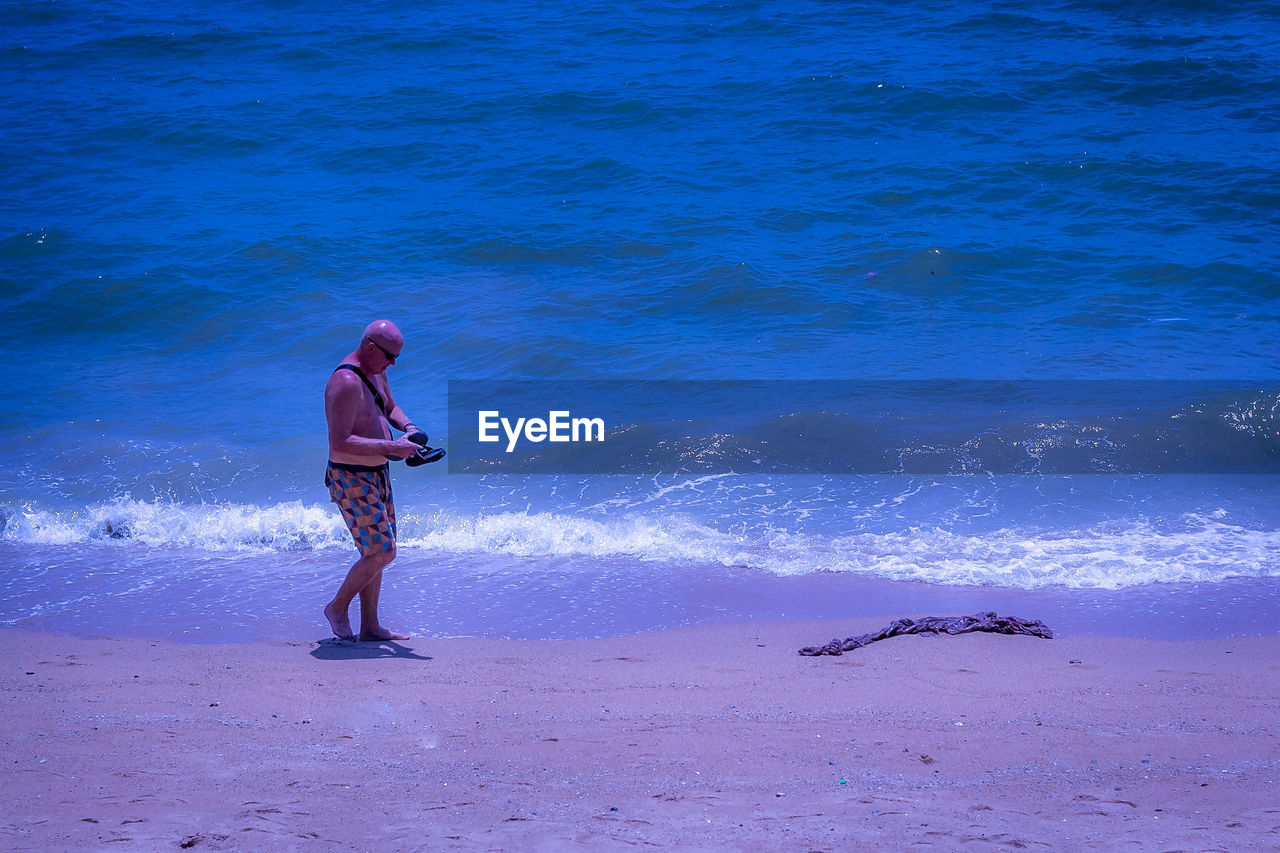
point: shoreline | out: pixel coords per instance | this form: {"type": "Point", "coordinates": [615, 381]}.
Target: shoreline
{"type": "Point", "coordinates": [211, 598]}
{"type": "Point", "coordinates": [718, 737]}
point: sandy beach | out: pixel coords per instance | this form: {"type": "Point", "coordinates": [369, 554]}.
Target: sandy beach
{"type": "Point", "coordinates": [714, 738]}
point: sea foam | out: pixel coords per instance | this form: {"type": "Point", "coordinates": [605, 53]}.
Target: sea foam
{"type": "Point", "coordinates": [1113, 554]}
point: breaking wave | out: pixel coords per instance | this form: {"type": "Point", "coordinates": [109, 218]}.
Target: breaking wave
{"type": "Point", "coordinates": [1113, 554]}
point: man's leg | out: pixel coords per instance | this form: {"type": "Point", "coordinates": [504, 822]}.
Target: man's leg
{"type": "Point", "coordinates": [366, 570]}
{"type": "Point", "coordinates": [370, 628]}
{"type": "Point", "coordinates": [364, 498]}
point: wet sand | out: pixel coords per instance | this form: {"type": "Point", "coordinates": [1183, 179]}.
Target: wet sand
{"type": "Point", "coordinates": [712, 738]}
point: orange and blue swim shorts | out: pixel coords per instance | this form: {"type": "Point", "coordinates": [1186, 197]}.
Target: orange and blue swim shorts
{"type": "Point", "coordinates": [363, 496]}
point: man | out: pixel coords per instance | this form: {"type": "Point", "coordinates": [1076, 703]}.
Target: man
{"type": "Point", "coordinates": [359, 409]}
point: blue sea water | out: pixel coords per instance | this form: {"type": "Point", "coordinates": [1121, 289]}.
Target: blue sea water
{"type": "Point", "coordinates": [200, 209]}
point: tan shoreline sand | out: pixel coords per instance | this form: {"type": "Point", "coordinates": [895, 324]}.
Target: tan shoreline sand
{"type": "Point", "coordinates": [712, 738]}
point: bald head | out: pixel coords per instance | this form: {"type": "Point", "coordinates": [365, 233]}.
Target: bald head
{"type": "Point", "coordinates": [380, 346]}
{"type": "Point", "coordinates": [384, 332]}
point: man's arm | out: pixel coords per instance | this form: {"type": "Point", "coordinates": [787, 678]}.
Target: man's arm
{"type": "Point", "coordinates": [343, 399]}
{"type": "Point", "coordinates": [395, 415]}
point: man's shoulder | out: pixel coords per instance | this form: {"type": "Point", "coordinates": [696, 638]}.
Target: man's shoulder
{"type": "Point", "coordinates": [342, 381]}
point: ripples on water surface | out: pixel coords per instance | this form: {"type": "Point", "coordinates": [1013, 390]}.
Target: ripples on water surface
{"type": "Point", "coordinates": [200, 208]}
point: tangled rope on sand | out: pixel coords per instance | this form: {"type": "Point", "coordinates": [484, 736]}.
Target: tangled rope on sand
{"type": "Point", "coordinates": [936, 625]}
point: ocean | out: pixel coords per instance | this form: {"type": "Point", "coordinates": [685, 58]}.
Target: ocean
{"type": "Point", "coordinates": [886, 216]}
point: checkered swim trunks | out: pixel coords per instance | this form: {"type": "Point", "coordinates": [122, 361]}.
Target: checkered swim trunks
{"type": "Point", "coordinates": [363, 495]}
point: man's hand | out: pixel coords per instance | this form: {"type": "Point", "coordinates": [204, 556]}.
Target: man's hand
{"type": "Point", "coordinates": [401, 448]}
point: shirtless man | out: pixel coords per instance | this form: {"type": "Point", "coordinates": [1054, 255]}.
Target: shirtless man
{"type": "Point", "coordinates": [359, 483]}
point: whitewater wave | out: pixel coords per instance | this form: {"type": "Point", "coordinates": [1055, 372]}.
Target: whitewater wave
{"type": "Point", "coordinates": [289, 526]}
{"type": "Point", "coordinates": [1189, 548]}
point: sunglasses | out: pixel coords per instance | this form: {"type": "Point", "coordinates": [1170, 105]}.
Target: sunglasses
{"type": "Point", "coordinates": [391, 356]}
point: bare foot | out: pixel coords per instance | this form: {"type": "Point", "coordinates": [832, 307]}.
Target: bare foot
{"type": "Point", "coordinates": [380, 633]}
{"type": "Point", "coordinates": [339, 623]}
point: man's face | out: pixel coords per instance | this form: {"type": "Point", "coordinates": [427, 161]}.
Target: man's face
{"type": "Point", "coordinates": [384, 352]}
